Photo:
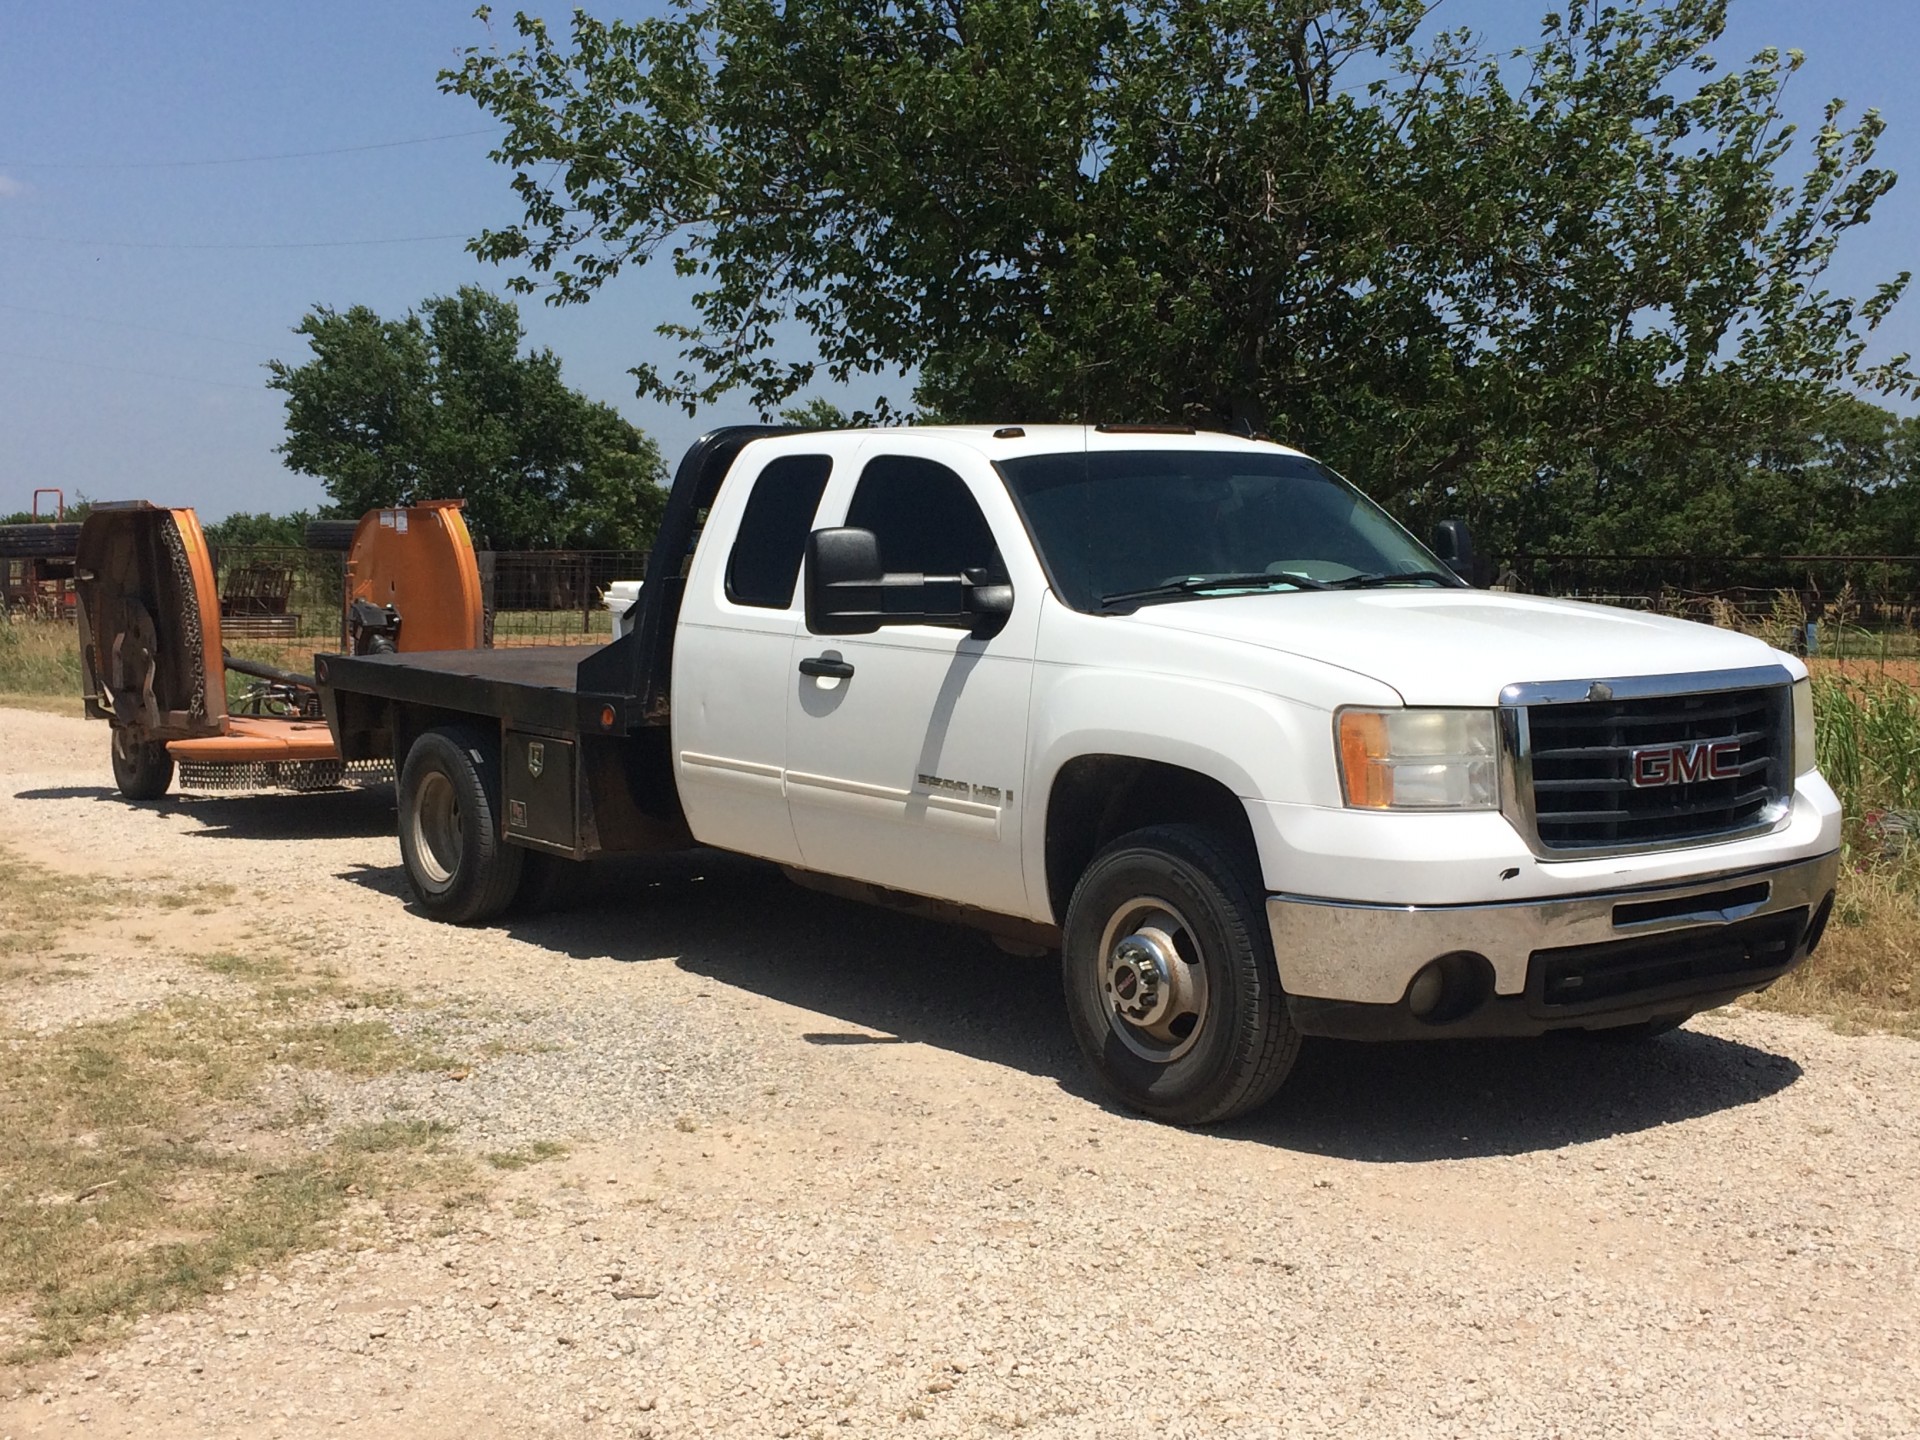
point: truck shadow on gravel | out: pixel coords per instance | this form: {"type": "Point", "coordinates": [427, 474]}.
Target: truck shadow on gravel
{"type": "Point", "coordinates": [273, 815]}
{"type": "Point", "coordinates": [892, 979]}
{"type": "Point", "coordinates": [1444, 1100]}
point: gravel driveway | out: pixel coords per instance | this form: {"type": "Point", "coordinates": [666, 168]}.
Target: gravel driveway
{"type": "Point", "coordinates": [835, 1172]}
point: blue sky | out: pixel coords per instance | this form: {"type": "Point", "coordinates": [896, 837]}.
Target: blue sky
{"type": "Point", "coordinates": [130, 356]}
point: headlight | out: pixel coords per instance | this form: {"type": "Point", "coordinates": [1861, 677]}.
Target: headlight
{"type": "Point", "coordinates": [1418, 759]}
{"type": "Point", "coordinates": [1804, 758]}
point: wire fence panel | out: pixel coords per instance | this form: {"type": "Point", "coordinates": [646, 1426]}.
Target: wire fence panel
{"type": "Point", "coordinates": [280, 591]}
{"type": "Point", "coordinates": [281, 603]}
{"type": "Point", "coordinates": [554, 597]}
{"type": "Point", "coordinates": [36, 569]}
{"type": "Point", "coordinates": [1865, 606]}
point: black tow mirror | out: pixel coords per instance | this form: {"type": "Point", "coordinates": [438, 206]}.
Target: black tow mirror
{"type": "Point", "coordinates": [843, 576]}
{"type": "Point", "coordinates": [988, 602]}
{"type": "Point", "coordinates": [848, 593]}
{"type": "Point", "coordinates": [1453, 543]}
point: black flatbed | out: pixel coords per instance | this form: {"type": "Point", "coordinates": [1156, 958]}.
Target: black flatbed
{"type": "Point", "coordinates": [537, 686]}
{"type": "Point", "coordinates": [619, 688]}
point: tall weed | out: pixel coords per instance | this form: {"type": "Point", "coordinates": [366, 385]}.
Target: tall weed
{"type": "Point", "coordinates": [1867, 736]}
{"type": "Point", "coordinates": [1866, 974]}
{"type": "Point", "coordinates": [38, 657]}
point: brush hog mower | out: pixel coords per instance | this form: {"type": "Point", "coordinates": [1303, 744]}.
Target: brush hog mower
{"type": "Point", "coordinates": [154, 666]}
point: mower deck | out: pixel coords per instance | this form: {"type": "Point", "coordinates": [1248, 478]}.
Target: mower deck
{"type": "Point", "coordinates": [252, 738]}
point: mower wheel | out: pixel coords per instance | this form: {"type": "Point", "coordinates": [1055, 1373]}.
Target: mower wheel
{"type": "Point", "coordinates": [141, 768]}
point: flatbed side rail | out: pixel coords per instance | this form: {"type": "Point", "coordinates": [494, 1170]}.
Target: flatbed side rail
{"type": "Point", "coordinates": [530, 687]}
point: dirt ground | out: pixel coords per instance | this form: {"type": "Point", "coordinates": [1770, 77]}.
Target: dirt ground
{"type": "Point", "coordinates": [834, 1172]}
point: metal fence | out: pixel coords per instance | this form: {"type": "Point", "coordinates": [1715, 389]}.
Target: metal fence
{"type": "Point", "coordinates": [280, 592]}
{"type": "Point", "coordinates": [1863, 605]}
{"type": "Point", "coordinates": [281, 603]}
{"type": "Point", "coordinates": [36, 569]}
{"type": "Point", "coordinates": [291, 600]}
{"type": "Point", "coordinates": [553, 597]}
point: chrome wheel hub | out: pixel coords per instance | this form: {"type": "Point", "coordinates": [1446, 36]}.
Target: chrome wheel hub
{"type": "Point", "coordinates": [1152, 980]}
{"type": "Point", "coordinates": [437, 840]}
{"type": "Point", "coordinates": [1140, 977]}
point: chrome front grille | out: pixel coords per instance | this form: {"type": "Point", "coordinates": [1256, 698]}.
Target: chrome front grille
{"type": "Point", "coordinates": [1649, 764]}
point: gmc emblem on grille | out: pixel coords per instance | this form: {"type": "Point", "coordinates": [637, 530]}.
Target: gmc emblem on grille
{"type": "Point", "coordinates": [1656, 765]}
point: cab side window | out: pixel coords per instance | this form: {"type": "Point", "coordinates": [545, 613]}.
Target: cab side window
{"type": "Point", "coordinates": [924, 517]}
{"type": "Point", "coordinates": [765, 561]}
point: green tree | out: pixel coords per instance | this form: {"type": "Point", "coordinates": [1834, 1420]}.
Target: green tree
{"type": "Point", "coordinates": [78, 510]}
{"type": "Point", "coordinates": [817, 414]}
{"type": "Point", "coordinates": [245, 527]}
{"type": "Point", "coordinates": [1553, 289]}
{"type": "Point", "coordinates": [443, 405]}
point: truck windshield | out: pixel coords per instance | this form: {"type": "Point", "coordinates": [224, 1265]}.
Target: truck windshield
{"type": "Point", "coordinates": [1117, 529]}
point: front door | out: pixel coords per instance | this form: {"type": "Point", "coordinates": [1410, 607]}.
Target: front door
{"type": "Point", "coordinates": [906, 748]}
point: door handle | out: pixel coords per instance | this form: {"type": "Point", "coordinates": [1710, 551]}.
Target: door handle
{"type": "Point", "coordinates": [822, 668]}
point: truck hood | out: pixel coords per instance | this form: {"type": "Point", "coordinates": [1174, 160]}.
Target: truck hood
{"type": "Point", "coordinates": [1460, 647]}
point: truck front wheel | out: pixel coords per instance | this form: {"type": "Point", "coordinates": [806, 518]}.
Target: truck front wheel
{"type": "Point", "coordinates": [141, 768]}
{"type": "Point", "coordinates": [1170, 979]}
{"type": "Point", "coordinates": [460, 869]}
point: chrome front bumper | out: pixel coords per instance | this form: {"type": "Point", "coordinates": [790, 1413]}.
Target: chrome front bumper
{"type": "Point", "coordinates": [1356, 953]}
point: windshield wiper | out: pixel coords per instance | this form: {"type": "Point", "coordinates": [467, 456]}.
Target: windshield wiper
{"type": "Point", "coordinates": [1200, 584]}
{"type": "Point", "coordinates": [1399, 577]}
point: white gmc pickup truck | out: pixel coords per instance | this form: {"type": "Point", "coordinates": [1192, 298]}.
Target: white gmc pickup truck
{"type": "Point", "coordinates": [1187, 708]}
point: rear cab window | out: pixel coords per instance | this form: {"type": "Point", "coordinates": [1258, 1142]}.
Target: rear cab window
{"type": "Point", "coordinates": [764, 564]}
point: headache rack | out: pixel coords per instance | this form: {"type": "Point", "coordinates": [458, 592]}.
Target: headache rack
{"type": "Point", "coordinates": [1647, 763]}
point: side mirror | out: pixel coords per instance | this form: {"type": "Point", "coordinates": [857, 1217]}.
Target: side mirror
{"type": "Point", "coordinates": [843, 574]}
{"type": "Point", "coordinates": [849, 594]}
{"type": "Point", "coordinates": [988, 602]}
{"type": "Point", "coordinates": [1453, 543]}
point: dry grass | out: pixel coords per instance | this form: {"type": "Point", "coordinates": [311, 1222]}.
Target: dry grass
{"type": "Point", "coordinates": [36, 904]}
{"type": "Point", "coordinates": [139, 1168]}
{"type": "Point", "coordinates": [1866, 974]}
{"type": "Point", "coordinates": [70, 705]}
{"type": "Point", "coordinates": [532, 1155]}
{"type": "Point", "coordinates": [40, 663]}
{"type": "Point", "coordinates": [38, 657]}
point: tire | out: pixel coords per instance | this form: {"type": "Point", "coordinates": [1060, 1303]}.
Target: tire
{"type": "Point", "coordinates": [458, 867]}
{"type": "Point", "coordinates": [141, 768]}
{"type": "Point", "coordinates": [1225, 1041]}
{"type": "Point", "coordinates": [330, 534]}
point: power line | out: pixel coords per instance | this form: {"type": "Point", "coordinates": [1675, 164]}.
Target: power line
{"type": "Point", "coordinates": [233, 159]}
{"type": "Point", "coordinates": [174, 331]}
{"type": "Point", "coordinates": [259, 389]}
{"type": "Point", "coordinates": [228, 245]}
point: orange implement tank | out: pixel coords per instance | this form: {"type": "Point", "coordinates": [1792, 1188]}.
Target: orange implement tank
{"type": "Point", "coordinates": [419, 559]}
